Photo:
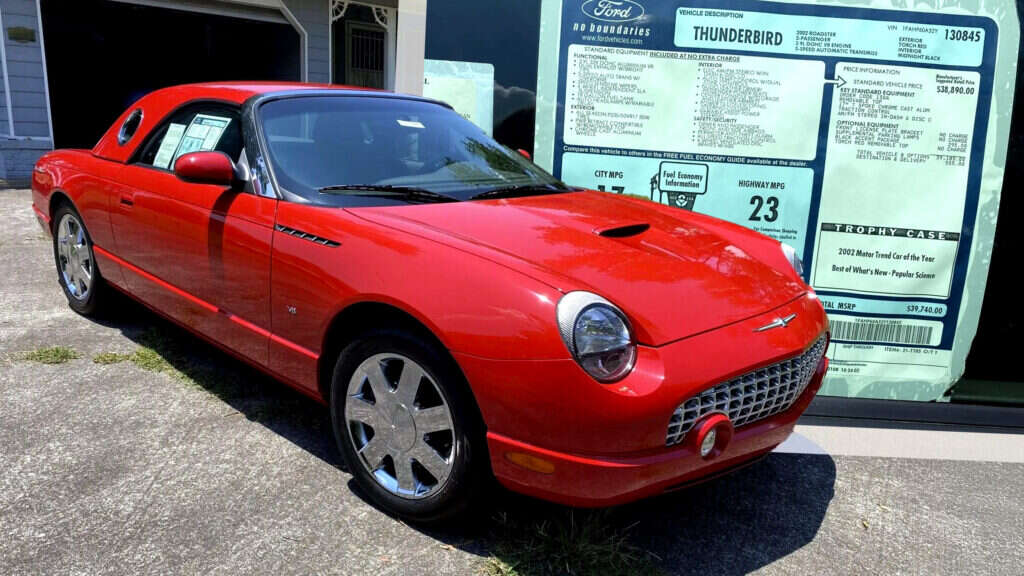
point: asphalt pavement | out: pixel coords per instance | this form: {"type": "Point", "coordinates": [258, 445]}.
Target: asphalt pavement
{"type": "Point", "coordinates": [171, 457]}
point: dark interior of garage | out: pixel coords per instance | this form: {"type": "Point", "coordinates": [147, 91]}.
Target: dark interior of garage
{"type": "Point", "coordinates": [101, 56]}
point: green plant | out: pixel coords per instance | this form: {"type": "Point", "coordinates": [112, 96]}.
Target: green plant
{"type": "Point", "coordinates": [107, 358]}
{"type": "Point", "coordinates": [51, 355]}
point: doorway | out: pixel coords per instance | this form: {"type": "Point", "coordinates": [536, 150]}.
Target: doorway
{"type": "Point", "coordinates": [364, 55]}
{"type": "Point", "coordinates": [363, 44]}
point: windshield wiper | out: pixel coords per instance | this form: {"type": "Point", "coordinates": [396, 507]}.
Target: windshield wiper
{"type": "Point", "coordinates": [518, 190]}
{"type": "Point", "coordinates": [387, 191]}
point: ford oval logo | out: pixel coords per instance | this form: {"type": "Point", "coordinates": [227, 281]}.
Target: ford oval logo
{"type": "Point", "coordinates": [613, 10]}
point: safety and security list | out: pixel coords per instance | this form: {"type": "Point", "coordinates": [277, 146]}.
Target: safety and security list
{"type": "Point", "coordinates": [855, 135]}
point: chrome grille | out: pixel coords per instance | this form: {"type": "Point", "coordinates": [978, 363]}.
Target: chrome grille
{"type": "Point", "coordinates": [753, 396]}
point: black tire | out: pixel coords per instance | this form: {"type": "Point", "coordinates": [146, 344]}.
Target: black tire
{"type": "Point", "coordinates": [469, 474]}
{"type": "Point", "coordinates": [92, 302]}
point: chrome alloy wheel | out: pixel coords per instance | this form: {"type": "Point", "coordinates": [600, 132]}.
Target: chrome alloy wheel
{"type": "Point", "coordinates": [75, 257]}
{"type": "Point", "coordinates": [400, 425]}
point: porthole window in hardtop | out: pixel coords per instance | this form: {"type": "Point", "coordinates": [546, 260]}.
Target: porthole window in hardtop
{"type": "Point", "coordinates": [130, 127]}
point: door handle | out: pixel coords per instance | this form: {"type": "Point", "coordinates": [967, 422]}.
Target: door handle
{"type": "Point", "coordinates": [127, 201]}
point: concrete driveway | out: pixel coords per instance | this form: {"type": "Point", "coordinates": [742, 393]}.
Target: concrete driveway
{"type": "Point", "coordinates": [152, 453]}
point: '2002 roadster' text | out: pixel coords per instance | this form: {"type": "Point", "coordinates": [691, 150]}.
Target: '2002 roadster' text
{"type": "Point", "coordinates": [462, 312]}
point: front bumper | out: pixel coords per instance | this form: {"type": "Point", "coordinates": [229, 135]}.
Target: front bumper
{"type": "Point", "coordinates": [593, 482]}
{"type": "Point", "coordinates": [602, 445]}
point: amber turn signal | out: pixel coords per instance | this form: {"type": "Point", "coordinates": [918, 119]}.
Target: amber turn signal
{"type": "Point", "coordinates": [530, 462]}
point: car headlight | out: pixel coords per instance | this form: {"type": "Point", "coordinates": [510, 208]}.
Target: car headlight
{"type": "Point", "coordinates": [794, 260]}
{"type": "Point", "coordinates": [598, 335]}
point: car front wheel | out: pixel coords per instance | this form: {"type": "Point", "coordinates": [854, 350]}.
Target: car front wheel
{"type": "Point", "coordinates": [77, 272]}
{"type": "Point", "coordinates": [407, 427]}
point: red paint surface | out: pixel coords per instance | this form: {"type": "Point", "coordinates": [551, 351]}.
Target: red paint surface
{"type": "Point", "coordinates": [207, 167]}
{"type": "Point", "coordinates": [484, 277]}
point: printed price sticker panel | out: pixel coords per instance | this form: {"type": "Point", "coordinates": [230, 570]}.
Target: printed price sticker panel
{"type": "Point", "coordinates": [856, 135]}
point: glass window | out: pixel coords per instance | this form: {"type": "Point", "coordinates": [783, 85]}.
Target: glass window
{"type": "Point", "coordinates": [194, 128]}
{"type": "Point", "coordinates": [337, 141]}
{"type": "Point", "coordinates": [511, 47]}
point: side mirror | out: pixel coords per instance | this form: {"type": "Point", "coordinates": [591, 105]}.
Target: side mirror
{"type": "Point", "coordinates": [206, 168]}
{"type": "Point", "coordinates": [525, 153]}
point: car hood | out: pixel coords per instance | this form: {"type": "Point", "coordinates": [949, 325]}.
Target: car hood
{"type": "Point", "coordinates": [674, 273]}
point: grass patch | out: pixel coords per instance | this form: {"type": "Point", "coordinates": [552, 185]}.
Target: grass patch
{"type": "Point", "coordinates": [150, 360]}
{"type": "Point", "coordinates": [154, 354]}
{"type": "Point", "coordinates": [51, 355]}
{"type": "Point", "coordinates": [110, 358]}
{"type": "Point", "coordinates": [574, 543]}
{"type": "Point", "coordinates": [180, 356]}
{"type": "Point", "coordinates": [164, 349]}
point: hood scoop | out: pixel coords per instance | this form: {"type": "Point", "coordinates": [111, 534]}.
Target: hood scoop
{"type": "Point", "coordinates": [623, 231]}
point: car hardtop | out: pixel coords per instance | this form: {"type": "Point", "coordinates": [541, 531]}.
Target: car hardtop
{"type": "Point", "coordinates": [157, 105]}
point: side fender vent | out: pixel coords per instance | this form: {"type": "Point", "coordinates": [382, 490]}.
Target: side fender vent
{"type": "Point", "coordinates": [307, 236]}
{"type": "Point", "coordinates": [624, 231]}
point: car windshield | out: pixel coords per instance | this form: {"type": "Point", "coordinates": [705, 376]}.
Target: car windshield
{"type": "Point", "coordinates": [357, 151]}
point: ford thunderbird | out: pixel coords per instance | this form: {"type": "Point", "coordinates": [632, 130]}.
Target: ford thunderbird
{"type": "Point", "coordinates": [463, 314]}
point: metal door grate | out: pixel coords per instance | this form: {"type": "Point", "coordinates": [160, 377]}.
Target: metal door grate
{"type": "Point", "coordinates": [365, 56]}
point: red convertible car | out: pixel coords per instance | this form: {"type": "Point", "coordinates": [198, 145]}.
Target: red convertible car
{"type": "Point", "coordinates": [461, 312]}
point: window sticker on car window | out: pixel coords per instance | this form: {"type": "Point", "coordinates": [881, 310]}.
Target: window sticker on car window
{"type": "Point", "coordinates": [169, 144]}
{"type": "Point", "coordinates": [411, 124]}
{"type": "Point", "coordinates": [202, 134]}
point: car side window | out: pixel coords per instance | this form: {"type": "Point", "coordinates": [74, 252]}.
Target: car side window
{"type": "Point", "coordinates": [200, 127]}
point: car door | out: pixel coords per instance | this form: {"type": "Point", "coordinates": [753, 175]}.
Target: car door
{"type": "Point", "coordinates": [199, 253]}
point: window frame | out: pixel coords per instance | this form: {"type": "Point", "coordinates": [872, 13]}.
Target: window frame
{"type": "Point", "coordinates": [161, 130]}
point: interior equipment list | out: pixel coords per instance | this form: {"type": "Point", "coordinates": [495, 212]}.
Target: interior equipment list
{"type": "Point", "coordinates": [855, 135]}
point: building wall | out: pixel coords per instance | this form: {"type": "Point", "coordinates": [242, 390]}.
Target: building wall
{"type": "Point", "coordinates": [313, 16]}
{"type": "Point", "coordinates": [24, 67]}
{"type": "Point", "coordinates": [25, 70]}
{"type": "Point", "coordinates": [5, 124]}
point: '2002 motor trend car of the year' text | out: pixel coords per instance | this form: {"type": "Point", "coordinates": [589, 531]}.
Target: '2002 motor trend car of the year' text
{"type": "Point", "coordinates": [461, 312]}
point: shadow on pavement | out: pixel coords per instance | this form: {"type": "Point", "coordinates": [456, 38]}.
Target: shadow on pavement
{"type": "Point", "coordinates": [741, 522]}
{"type": "Point", "coordinates": [258, 397]}
{"type": "Point", "coordinates": [732, 525]}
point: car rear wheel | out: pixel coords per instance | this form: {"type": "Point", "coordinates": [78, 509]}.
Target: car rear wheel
{"type": "Point", "coordinates": [77, 272]}
{"type": "Point", "coordinates": [407, 427]}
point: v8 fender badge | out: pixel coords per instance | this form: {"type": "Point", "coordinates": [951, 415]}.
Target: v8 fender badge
{"type": "Point", "coordinates": [777, 323]}
{"type": "Point", "coordinates": [613, 10]}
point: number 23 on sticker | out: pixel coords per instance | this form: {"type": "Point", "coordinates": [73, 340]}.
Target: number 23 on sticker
{"type": "Point", "coordinates": [766, 209]}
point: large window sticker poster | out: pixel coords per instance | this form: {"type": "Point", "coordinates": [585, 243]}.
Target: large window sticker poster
{"type": "Point", "coordinates": [864, 137]}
